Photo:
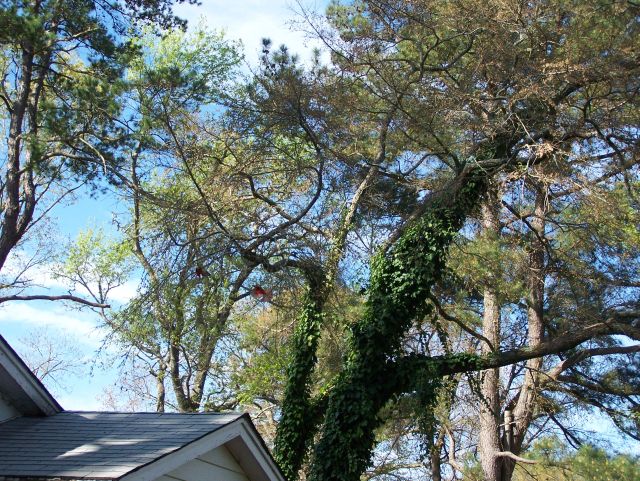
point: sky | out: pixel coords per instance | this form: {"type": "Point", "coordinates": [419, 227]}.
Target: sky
{"type": "Point", "coordinates": [253, 20]}
{"type": "Point", "coordinates": [245, 20]}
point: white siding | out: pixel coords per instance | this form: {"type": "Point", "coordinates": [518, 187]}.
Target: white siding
{"type": "Point", "coordinates": [223, 458]}
{"type": "Point", "coordinates": [215, 465]}
{"type": "Point", "coordinates": [7, 411]}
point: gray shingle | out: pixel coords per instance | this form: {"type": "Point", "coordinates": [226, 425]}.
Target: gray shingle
{"type": "Point", "coordinates": [83, 444]}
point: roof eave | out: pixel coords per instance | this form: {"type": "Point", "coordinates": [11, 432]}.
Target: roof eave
{"type": "Point", "coordinates": [24, 390]}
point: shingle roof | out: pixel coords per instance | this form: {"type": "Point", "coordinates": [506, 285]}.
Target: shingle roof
{"type": "Point", "coordinates": [93, 445]}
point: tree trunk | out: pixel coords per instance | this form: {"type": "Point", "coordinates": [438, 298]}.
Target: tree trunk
{"type": "Point", "coordinates": [160, 389]}
{"type": "Point", "coordinates": [209, 339]}
{"type": "Point", "coordinates": [525, 406]}
{"type": "Point", "coordinates": [401, 278]}
{"type": "Point", "coordinates": [434, 456]}
{"type": "Point", "coordinates": [182, 398]}
{"type": "Point", "coordinates": [11, 207]}
{"type": "Point", "coordinates": [298, 422]}
{"type": "Point", "coordinates": [489, 439]}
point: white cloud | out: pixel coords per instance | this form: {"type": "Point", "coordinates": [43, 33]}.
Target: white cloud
{"type": "Point", "coordinates": [38, 272]}
{"type": "Point", "coordinates": [253, 20]}
{"type": "Point", "coordinates": [41, 276]}
{"type": "Point", "coordinates": [23, 315]}
{"type": "Point", "coordinates": [124, 293]}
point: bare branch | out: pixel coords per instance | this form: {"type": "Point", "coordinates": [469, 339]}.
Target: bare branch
{"type": "Point", "coordinates": [447, 317]}
{"type": "Point", "coordinates": [515, 457]}
{"type": "Point", "coordinates": [621, 323]}
{"type": "Point", "coordinates": [64, 297]}
{"type": "Point", "coordinates": [587, 353]}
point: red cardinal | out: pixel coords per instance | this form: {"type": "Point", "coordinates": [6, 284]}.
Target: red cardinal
{"type": "Point", "coordinates": [263, 295]}
{"type": "Point", "coordinates": [201, 272]}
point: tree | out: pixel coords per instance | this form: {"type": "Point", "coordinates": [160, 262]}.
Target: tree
{"type": "Point", "coordinates": [512, 118]}
{"type": "Point", "coordinates": [381, 162]}
{"type": "Point", "coordinates": [589, 463]}
{"type": "Point", "coordinates": [190, 280]}
{"type": "Point", "coordinates": [62, 65]}
{"type": "Point", "coordinates": [51, 355]}
{"type": "Point", "coordinates": [523, 402]}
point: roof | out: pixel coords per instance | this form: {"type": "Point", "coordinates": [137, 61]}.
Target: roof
{"type": "Point", "coordinates": [47, 443]}
{"type": "Point", "coordinates": [98, 445]}
{"type": "Point", "coordinates": [21, 388]}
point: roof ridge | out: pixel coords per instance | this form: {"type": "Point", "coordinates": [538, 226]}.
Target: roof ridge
{"type": "Point", "coordinates": [209, 413]}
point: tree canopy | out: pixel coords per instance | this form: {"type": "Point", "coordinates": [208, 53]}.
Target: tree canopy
{"type": "Point", "coordinates": [439, 219]}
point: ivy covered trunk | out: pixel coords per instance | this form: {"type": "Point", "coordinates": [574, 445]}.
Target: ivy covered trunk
{"type": "Point", "coordinates": [301, 414]}
{"type": "Point", "coordinates": [401, 279]}
{"type": "Point", "coordinates": [298, 421]}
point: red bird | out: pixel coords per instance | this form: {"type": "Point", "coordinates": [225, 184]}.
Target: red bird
{"type": "Point", "coordinates": [263, 295]}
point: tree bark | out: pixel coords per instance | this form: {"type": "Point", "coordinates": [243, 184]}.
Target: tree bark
{"type": "Point", "coordinates": [182, 398]}
{"type": "Point", "coordinates": [489, 442]}
{"type": "Point", "coordinates": [160, 389]}
{"type": "Point", "coordinates": [434, 456]}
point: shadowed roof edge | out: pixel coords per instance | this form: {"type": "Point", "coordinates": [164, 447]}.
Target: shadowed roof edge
{"type": "Point", "coordinates": [26, 391]}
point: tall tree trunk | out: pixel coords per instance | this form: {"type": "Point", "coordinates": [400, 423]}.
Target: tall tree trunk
{"type": "Point", "coordinates": [489, 439]}
{"type": "Point", "coordinates": [525, 406]}
{"type": "Point", "coordinates": [11, 202]}
{"type": "Point", "coordinates": [182, 397]}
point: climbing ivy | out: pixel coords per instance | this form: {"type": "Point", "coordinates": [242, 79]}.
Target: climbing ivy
{"type": "Point", "coordinates": [401, 279]}
{"type": "Point", "coordinates": [301, 413]}
{"type": "Point", "coordinates": [299, 418]}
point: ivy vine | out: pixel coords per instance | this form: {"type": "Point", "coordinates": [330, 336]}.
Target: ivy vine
{"type": "Point", "coordinates": [299, 416]}
{"type": "Point", "coordinates": [401, 280]}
